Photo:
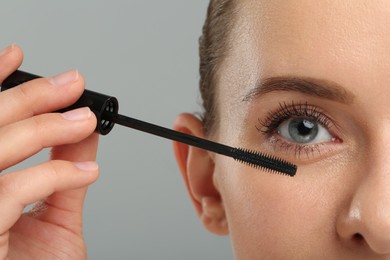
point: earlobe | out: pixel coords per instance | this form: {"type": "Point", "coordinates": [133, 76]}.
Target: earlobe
{"type": "Point", "coordinates": [197, 168]}
{"type": "Point", "coordinates": [213, 215]}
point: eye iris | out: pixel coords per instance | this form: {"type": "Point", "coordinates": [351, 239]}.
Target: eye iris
{"type": "Point", "coordinates": [303, 130]}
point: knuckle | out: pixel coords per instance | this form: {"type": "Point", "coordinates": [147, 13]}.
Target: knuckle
{"type": "Point", "coordinates": [24, 92]}
{"type": "Point", "coordinates": [28, 95]}
{"type": "Point", "coordinates": [36, 122]}
{"type": "Point", "coordinates": [23, 96]}
{"type": "Point", "coordinates": [57, 170]}
{"type": "Point", "coordinates": [57, 173]}
{"type": "Point", "coordinates": [8, 186]}
{"type": "Point", "coordinates": [37, 129]}
{"type": "Point", "coordinates": [41, 130]}
{"type": "Point", "coordinates": [53, 170]}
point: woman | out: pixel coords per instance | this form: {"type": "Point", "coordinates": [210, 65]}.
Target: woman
{"type": "Point", "coordinates": [307, 81]}
{"type": "Point", "coordinates": [304, 80]}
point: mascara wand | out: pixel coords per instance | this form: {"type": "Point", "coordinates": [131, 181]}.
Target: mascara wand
{"type": "Point", "coordinates": [251, 158]}
{"type": "Point", "coordinates": [106, 110]}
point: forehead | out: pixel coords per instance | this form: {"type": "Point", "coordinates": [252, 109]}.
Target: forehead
{"type": "Point", "coordinates": [310, 38]}
{"type": "Point", "coordinates": [348, 32]}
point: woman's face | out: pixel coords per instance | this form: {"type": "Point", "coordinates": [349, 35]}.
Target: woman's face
{"type": "Point", "coordinates": [309, 82]}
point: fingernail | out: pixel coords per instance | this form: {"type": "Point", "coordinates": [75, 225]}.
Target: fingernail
{"type": "Point", "coordinates": [64, 78]}
{"type": "Point", "coordinates": [87, 166]}
{"type": "Point", "coordinates": [7, 50]}
{"type": "Point", "coordinates": [77, 114]}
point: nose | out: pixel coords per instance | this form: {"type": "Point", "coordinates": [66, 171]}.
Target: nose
{"type": "Point", "coordinates": [365, 221]}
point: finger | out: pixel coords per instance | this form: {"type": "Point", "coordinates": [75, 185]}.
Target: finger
{"type": "Point", "coordinates": [65, 208]}
{"type": "Point", "coordinates": [25, 138]}
{"type": "Point", "coordinates": [40, 96]}
{"type": "Point", "coordinates": [21, 188]}
{"type": "Point", "coordinates": [82, 151]}
{"type": "Point", "coordinates": [10, 59]}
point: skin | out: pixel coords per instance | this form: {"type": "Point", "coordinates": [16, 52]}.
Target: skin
{"type": "Point", "coordinates": [337, 206]}
{"type": "Point", "coordinates": [53, 229]}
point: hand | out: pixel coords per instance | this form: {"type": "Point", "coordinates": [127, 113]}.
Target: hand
{"type": "Point", "coordinates": [53, 229]}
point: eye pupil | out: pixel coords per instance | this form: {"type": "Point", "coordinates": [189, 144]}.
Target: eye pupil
{"type": "Point", "coordinates": [305, 127]}
{"type": "Point", "coordinates": [303, 130]}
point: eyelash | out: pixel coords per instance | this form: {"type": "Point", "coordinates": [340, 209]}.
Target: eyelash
{"type": "Point", "coordinates": [274, 119]}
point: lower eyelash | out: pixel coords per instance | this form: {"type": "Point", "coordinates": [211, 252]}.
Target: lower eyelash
{"type": "Point", "coordinates": [298, 150]}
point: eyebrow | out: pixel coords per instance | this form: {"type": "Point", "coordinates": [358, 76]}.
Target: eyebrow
{"type": "Point", "coordinates": [310, 86]}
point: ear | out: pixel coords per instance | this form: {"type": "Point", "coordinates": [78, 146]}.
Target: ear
{"type": "Point", "coordinates": [197, 168]}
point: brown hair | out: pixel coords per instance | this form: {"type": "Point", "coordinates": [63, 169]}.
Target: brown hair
{"type": "Point", "coordinates": [213, 46]}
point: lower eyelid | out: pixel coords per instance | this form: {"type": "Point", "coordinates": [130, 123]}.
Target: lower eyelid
{"type": "Point", "coordinates": [305, 152]}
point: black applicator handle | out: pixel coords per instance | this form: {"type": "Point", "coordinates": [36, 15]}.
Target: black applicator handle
{"type": "Point", "coordinates": [97, 102]}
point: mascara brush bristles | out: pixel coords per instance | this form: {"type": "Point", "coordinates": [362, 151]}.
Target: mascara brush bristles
{"type": "Point", "coordinates": [265, 162]}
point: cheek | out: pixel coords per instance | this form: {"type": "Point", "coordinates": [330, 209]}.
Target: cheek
{"type": "Point", "coordinates": [276, 215]}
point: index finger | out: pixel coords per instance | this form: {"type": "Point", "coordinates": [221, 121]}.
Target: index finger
{"type": "Point", "coordinates": [40, 96]}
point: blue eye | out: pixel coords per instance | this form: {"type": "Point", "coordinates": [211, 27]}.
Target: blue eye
{"type": "Point", "coordinates": [299, 128]}
{"type": "Point", "coordinates": [303, 130]}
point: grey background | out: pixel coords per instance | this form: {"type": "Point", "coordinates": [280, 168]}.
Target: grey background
{"type": "Point", "coordinates": [146, 54]}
